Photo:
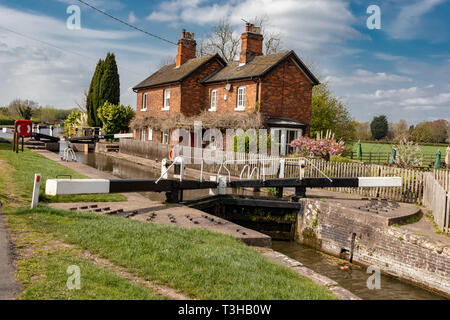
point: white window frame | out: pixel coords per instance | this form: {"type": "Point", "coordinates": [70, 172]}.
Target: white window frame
{"type": "Point", "coordinates": [144, 102]}
{"type": "Point", "coordinates": [166, 99]}
{"type": "Point", "coordinates": [150, 134]}
{"type": "Point", "coordinates": [240, 99]}
{"type": "Point", "coordinates": [143, 134]}
{"type": "Point", "coordinates": [283, 133]}
{"type": "Point", "coordinates": [165, 137]}
{"type": "Point", "coordinates": [213, 103]}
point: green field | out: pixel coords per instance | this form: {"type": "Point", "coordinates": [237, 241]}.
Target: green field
{"type": "Point", "coordinates": [387, 147]}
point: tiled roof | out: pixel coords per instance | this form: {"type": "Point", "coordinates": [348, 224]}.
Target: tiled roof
{"type": "Point", "coordinates": [257, 67]}
{"type": "Point", "coordinates": [170, 73]}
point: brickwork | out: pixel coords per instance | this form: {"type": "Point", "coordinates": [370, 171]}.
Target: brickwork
{"type": "Point", "coordinates": [330, 227]}
{"type": "Point", "coordinates": [229, 104]}
{"type": "Point", "coordinates": [194, 95]}
{"type": "Point", "coordinates": [155, 100]}
{"type": "Point", "coordinates": [286, 92]}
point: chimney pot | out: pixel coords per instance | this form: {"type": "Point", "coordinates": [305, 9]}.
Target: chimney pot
{"type": "Point", "coordinates": [186, 47]}
{"type": "Point", "coordinates": [251, 43]}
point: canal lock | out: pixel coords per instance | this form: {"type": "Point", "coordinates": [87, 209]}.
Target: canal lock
{"type": "Point", "coordinates": [276, 218]}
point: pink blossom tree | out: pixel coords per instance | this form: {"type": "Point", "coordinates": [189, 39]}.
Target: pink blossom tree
{"type": "Point", "coordinates": [324, 147]}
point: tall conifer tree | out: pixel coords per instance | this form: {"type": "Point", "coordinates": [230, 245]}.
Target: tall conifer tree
{"type": "Point", "coordinates": [92, 100]}
{"type": "Point", "coordinates": [104, 87]}
{"type": "Point", "coordinates": [109, 90]}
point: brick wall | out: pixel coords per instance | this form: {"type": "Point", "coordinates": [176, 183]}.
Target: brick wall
{"type": "Point", "coordinates": [155, 100]}
{"type": "Point", "coordinates": [228, 105]}
{"type": "Point", "coordinates": [286, 92]}
{"type": "Point", "coordinates": [395, 251]}
{"type": "Point", "coordinates": [194, 95]}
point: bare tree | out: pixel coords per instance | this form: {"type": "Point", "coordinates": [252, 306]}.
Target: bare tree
{"type": "Point", "coordinates": [166, 61]}
{"type": "Point", "coordinates": [221, 40]}
{"type": "Point", "coordinates": [82, 106]}
{"type": "Point", "coordinates": [272, 41]}
{"type": "Point", "coordinates": [226, 43]}
{"type": "Point", "coordinates": [23, 108]}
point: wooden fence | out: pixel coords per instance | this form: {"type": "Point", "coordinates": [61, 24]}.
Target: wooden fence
{"type": "Point", "coordinates": [146, 149]}
{"type": "Point", "coordinates": [437, 199]}
{"type": "Point", "coordinates": [410, 191]}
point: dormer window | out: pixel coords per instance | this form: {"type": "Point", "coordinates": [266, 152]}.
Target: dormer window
{"type": "Point", "coordinates": [213, 105]}
{"type": "Point", "coordinates": [240, 99]}
{"type": "Point", "coordinates": [166, 99]}
{"type": "Point", "coordinates": [144, 102]}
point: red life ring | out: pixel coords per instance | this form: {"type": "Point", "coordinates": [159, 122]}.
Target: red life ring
{"type": "Point", "coordinates": [171, 154]}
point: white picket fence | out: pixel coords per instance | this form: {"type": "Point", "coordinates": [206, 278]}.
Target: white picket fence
{"type": "Point", "coordinates": [437, 198]}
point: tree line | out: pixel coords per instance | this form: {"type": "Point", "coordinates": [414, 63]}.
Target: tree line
{"type": "Point", "coordinates": [31, 110]}
{"type": "Point", "coordinates": [437, 131]}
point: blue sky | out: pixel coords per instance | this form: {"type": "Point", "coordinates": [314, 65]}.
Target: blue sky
{"type": "Point", "coordinates": [401, 70]}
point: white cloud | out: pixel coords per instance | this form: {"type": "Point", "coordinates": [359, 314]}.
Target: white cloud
{"type": "Point", "coordinates": [101, 4]}
{"type": "Point", "coordinates": [362, 76]}
{"type": "Point", "coordinates": [413, 100]}
{"type": "Point", "coordinates": [307, 25]}
{"type": "Point", "coordinates": [51, 76]}
{"type": "Point", "coordinates": [408, 23]}
{"type": "Point", "coordinates": [132, 17]}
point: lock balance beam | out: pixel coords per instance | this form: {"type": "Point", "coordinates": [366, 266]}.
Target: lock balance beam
{"type": "Point", "coordinates": [55, 187]}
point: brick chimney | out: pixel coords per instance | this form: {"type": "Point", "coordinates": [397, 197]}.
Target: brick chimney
{"type": "Point", "coordinates": [186, 47]}
{"type": "Point", "coordinates": [251, 43]}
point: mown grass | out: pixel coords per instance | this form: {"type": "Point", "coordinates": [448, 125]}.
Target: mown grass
{"type": "Point", "coordinates": [200, 263]}
{"type": "Point", "coordinates": [28, 163]}
{"type": "Point", "coordinates": [95, 283]}
{"type": "Point", "coordinates": [42, 264]}
{"type": "Point", "coordinates": [387, 147]}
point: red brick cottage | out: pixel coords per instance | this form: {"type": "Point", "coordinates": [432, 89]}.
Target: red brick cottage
{"type": "Point", "coordinates": [279, 86]}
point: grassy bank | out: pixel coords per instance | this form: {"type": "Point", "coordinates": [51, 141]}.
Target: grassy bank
{"type": "Point", "coordinates": [195, 262]}
{"type": "Point", "coordinates": [25, 165]}
{"type": "Point", "coordinates": [201, 263]}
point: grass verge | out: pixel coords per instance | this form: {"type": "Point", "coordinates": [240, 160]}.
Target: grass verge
{"type": "Point", "coordinates": [42, 265]}
{"type": "Point", "coordinates": [95, 283]}
{"type": "Point", "coordinates": [200, 263]}
{"type": "Point", "coordinates": [28, 163]}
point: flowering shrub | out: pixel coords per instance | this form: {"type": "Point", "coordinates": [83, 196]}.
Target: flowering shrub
{"type": "Point", "coordinates": [318, 147]}
{"type": "Point", "coordinates": [409, 154]}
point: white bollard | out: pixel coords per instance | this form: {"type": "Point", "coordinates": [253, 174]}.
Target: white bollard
{"type": "Point", "coordinates": [51, 131]}
{"type": "Point", "coordinates": [37, 185]}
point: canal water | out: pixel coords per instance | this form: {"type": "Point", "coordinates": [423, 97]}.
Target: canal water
{"type": "Point", "coordinates": [354, 278]}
